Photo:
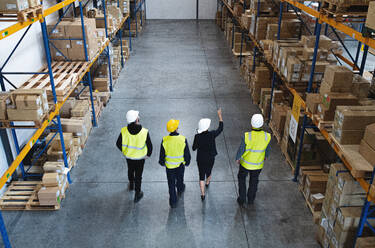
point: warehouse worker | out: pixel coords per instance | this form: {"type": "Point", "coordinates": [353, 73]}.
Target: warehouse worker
{"type": "Point", "coordinates": [135, 143]}
{"type": "Point", "coordinates": [174, 155]}
{"type": "Point", "coordinates": [251, 156]}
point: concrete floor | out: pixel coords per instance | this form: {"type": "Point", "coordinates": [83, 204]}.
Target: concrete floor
{"type": "Point", "coordinates": [183, 70]}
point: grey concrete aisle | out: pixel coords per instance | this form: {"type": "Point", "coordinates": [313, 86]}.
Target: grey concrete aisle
{"type": "Point", "coordinates": [183, 70]}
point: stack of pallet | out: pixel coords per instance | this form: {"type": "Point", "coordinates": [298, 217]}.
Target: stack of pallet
{"type": "Point", "coordinates": [341, 209]}
{"type": "Point", "coordinates": [24, 9]}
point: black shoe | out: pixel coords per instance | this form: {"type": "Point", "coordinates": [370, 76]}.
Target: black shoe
{"type": "Point", "coordinates": [241, 203]}
{"type": "Point", "coordinates": [182, 191]}
{"type": "Point", "coordinates": [207, 185]}
{"type": "Point", "coordinates": [203, 197]}
{"type": "Point", "coordinates": [138, 196]}
{"type": "Point", "coordinates": [131, 186]}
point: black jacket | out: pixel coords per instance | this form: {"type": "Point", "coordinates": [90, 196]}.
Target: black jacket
{"type": "Point", "coordinates": [187, 156]}
{"type": "Point", "coordinates": [133, 129]}
{"type": "Point", "coordinates": [205, 143]}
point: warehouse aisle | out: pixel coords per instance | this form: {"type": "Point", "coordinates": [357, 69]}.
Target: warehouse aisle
{"type": "Point", "coordinates": [183, 70]}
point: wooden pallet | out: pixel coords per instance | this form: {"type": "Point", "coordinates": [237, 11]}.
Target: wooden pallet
{"type": "Point", "coordinates": [65, 74]}
{"type": "Point", "coordinates": [29, 13]}
{"type": "Point", "coordinates": [23, 196]}
{"type": "Point", "coordinates": [341, 12]}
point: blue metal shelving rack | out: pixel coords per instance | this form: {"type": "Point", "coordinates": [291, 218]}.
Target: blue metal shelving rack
{"type": "Point", "coordinates": [368, 209]}
{"type": "Point", "coordinates": [56, 127]}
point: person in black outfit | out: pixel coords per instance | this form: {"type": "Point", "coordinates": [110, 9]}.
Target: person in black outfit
{"type": "Point", "coordinates": [205, 143]}
{"type": "Point", "coordinates": [135, 167]}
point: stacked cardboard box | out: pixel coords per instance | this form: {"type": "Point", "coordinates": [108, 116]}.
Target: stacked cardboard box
{"type": "Point", "coordinates": [73, 49]}
{"type": "Point", "coordinates": [261, 78]}
{"type": "Point", "coordinates": [124, 5]}
{"type": "Point", "coordinates": [14, 6]}
{"type": "Point", "coordinates": [278, 118]}
{"type": "Point", "coordinates": [246, 47]}
{"type": "Point", "coordinates": [360, 87]}
{"type": "Point", "coordinates": [4, 102]}
{"type": "Point", "coordinates": [258, 27]}
{"type": "Point", "coordinates": [265, 7]}
{"type": "Point", "coordinates": [350, 123]}
{"type": "Point", "coordinates": [27, 105]}
{"type": "Point", "coordinates": [340, 212]}
{"type": "Point", "coordinates": [246, 19]}
{"type": "Point", "coordinates": [367, 147]}
{"type": "Point", "coordinates": [290, 29]}
{"type": "Point", "coordinates": [265, 101]}
{"type": "Point", "coordinates": [54, 150]}
{"type": "Point", "coordinates": [365, 242]}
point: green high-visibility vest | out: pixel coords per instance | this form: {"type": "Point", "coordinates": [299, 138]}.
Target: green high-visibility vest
{"type": "Point", "coordinates": [134, 146]}
{"type": "Point", "coordinates": [256, 145]}
{"type": "Point", "coordinates": [174, 147]}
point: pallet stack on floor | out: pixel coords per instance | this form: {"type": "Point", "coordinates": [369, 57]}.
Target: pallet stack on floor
{"type": "Point", "coordinates": [340, 109]}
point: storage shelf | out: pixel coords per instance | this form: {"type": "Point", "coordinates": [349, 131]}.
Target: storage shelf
{"type": "Point", "coordinates": [365, 185]}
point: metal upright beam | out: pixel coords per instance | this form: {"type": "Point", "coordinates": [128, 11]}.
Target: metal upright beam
{"type": "Point", "coordinates": [309, 88]}
{"type": "Point", "coordinates": [280, 19]}
{"type": "Point", "coordinates": [364, 57]}
{"type": "Point", "coordinates": [122, 50]}
{"type": "Point", "coordinates": [4, 233]}
{"type": "Point", "coordinates": [52, 82]}
{"type": "Point", "coordinates": [107, 48]}
{"type": "Point", "coordinates": [272, 90]}
{"type": "Point", "coordinates": [317, 22]}
{"type": "Point", "coordinates": [130, 34]}
{"type": "Point", "coordinates": [94, 122]}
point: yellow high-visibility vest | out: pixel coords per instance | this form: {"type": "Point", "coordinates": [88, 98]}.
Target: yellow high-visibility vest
{"type": "Point", "coordinates": [174, 147]}
{"type": "Point", "coordinates": [134, 146]}
{"type": "Point", "coordinates": [256, 145]}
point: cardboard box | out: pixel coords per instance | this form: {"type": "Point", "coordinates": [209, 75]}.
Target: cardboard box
{"type": "Point", "coordinates": [58, 31]}
{"type": "Point", "coordinates": [51, 179]}
{"type": "Point", "coordinates": [360, 87]}
{"type": "Point", "coordinates": [331, 100]}
{"type": "Point", "coordinates": [25, 115]}
{"type": "Point", "coordinates": [101, 84]}
{"type": "Point", "coordinates": [370, 20]}
{"type": "Point", "coordinates": [346, 137]}
{"type": "Point", "coordinates": [4, 102]}
{"type": "Point", "coordinates": [309, 41]}
{"type": "Point", "coordinates": [354, 117]}
{"type": "Point", "coordinates": [369, 136]}
{"type": "Point", "coordinates": [365, 242]}
{"type": "Point", "coordinates": [13, 6]}
{"type": "Point", "coordinates": [59, 55]}
{"type": "Point", "coordinates": [312, 102]}
{"type": "Point", "coordinates": [367, 152]}
{"type": "Point", "coordinates": [61, 44]}
{"type": "Point", "coordinates": [53, 166]}
{"type": "Point", "coordinates": [28, 101]}
{"type": "Point", "coordinates": [49, 196]}
{"type": "Point", "coordinates": [338, 76]}
{"type": "Point", "coordinates": [77, 54]}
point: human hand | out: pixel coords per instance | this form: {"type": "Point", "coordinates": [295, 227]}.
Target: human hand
{"type": "Point", "coordinates": [219, 113]}
{"type": "Point", "coordinates": [238, 161]}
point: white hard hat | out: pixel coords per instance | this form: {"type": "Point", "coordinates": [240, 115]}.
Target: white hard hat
{"type": "Point", "coordinates": [132, 115]}
{"type": "Point", "coordinates": [203, 125]}
{"type": "Point", "coordinates": [257, 121]}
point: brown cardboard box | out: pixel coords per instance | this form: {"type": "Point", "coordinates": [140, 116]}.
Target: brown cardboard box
{"type": "Point", "coordinates": [25, 115]}
{"type": "Point", "coordinates": [59, 55]}
{"type": "Point", "coordinates": [74, 29]}
{"type": "Point", "coordinates": [309, 41]}
{"type": "Point", "coordinates": [354, 117]}
{"type": "Point", "coordinates": [77, 54]}
{"type": "Point", "coordinates": [4, 102]}
{"type": "Point", "coordinates": [369, 136]}
{"type": "Point", "coordinates": [61, 44]}
{"type": "Point", "coordinates": [50, 179]}
{"type": "Point", "coordinates": [360, 87]}
{"type": "Point", "coordinates": [53, 166]}
{"type": "Point", "coordinates": [28, 101]}
{"type": "Point", "coordinates": [100, 84]}
{"type": "Point", "coordinates": [346, 137]}
{"type": "Point", "coordinates": [331, 100]}
{"type": "Point", "coordinates": [49, 196]}
{"type": "Point", "coordinates": [367, 152]}
{"type": "Point", "coordinates": [312, 102]}
{"type": "Point", "coordinates": [13, 6]}
{"type": "Point", "coordinates": [326, 88]}
{"type": "Point", "coordinates": [365, 242]}
{"type": "Point", "coordinates": [338, 76]}
{"type": "Point", "coordinates": [370, 20]}
{"type": "Point", "coordinates": [58, 31]}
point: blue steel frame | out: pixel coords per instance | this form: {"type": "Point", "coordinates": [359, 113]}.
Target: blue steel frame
{"type": "Point", "coordinates": [368, 211]}
{"type": "Point", "coordinates": [136, 9]}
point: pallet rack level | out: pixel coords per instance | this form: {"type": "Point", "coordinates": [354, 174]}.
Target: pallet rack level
{"type": "Point", "coordinates": [368, 209]}
{"type": "Point", "coordinates": [57, 103]}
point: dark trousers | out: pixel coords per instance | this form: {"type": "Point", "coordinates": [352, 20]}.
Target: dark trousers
{"type": "Point", "coordinates": [135, 170]}
{"type": "Point", "coordinates": [175, 180]}
{"type": "Point", "coordinates": [253, 184]}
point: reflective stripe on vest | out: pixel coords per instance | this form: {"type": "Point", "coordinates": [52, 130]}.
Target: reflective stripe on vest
{"type": "Point", "coordinates": [174, 147]}
{"type": "Point", "coordinates": [134, 146]}
{"type": "Point", "coordinates": [256, 144]}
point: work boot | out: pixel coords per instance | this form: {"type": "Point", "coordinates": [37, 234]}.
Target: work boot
{"type": "Point", "coordinates": [131, 186]}
{"type": "Point", "coordinates": [138, 196]}
{"type": "Point", "coordinates": [182, 191]}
